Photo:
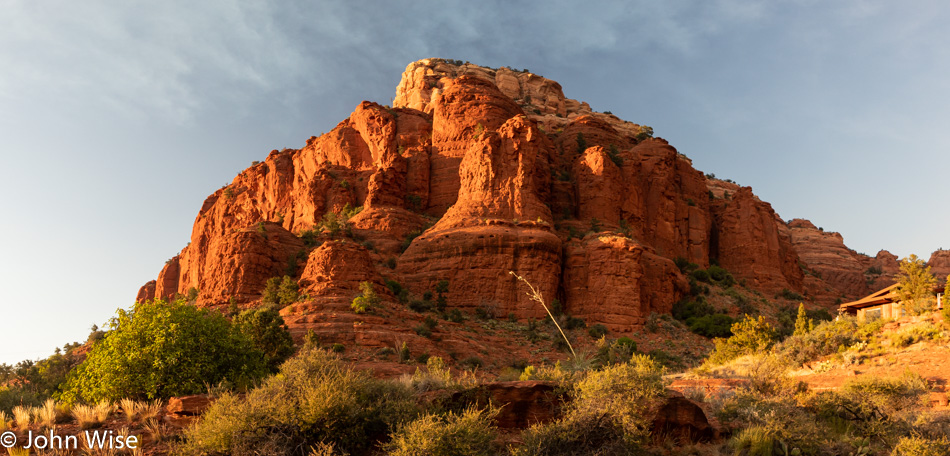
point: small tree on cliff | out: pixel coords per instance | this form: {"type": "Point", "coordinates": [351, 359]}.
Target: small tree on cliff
{"type": "Point", "coordinates": [268, 332]}
{"type": "Point", "coordinates": [160, 349]}
{"type": "Point", "coordinates": [803, 324]}
{"type": "Point", "coordinates": [915, 286]}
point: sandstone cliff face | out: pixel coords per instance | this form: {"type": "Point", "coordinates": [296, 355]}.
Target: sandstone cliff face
{"type": "Point", "coordinates": [498, 224]}
{"type": "Point", "coordinates": [844, 274]}
{"type": "Point", "coordinates": [493, 170]}
{"type": "Point", "coordinates": [614, 281]}
{"type": "Point", "coordinates": [940, 264]}
{"type": "Point", "coordinates": [752, 242]}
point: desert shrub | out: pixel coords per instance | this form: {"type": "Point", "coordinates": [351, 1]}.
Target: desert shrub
{"type": "Point", "coordinates": [822, 340]}
{"type": "Point", "coordinates": [775, 419]}
{"type": "Point", "coordinates": [873, 405]}
{"type": "Point", "coordinates": [423, 331]}
{"type": "Point", "coordinates": [435, 376]}
{"type": "Point", "coordinates": [685, 265]}
{"type": "Point", "coordinates": [160, 349]}
{"type": "Point", "coordinates": [267, 331]}
{"type": "Point", "coordinates": [367, 300]}
{"type": "Point", "coordinates": [701, 275]}
{"type": "Point", "coordinates": [394, 286]}
{"type": "Point", "coordinates": [577, 434]}
{"type": "Point", "coordinates": [790, 295]}
{"type": "Point", "coordinates": [721, 276]}
{"type": "Point", "coordinates": [623, 392]}
{"type": "Point", "coordinates": [644, 133]}
{"type": "Point", "coordinates": [29, 383]}
{"type": "Point", "coordinates": [456, 316]}
{"type": "Point", "coordinates": [667, 360]}
{"type": "Point", "coordinates": [597, 331]}
{"type": "Point", "coordinates": [716, 325]}
{"type": "Point", "coordinates": [920, 446]}
{"type": "Point", "coordinates": [753, 441]}
{"type": "Point", "coordinates": [469, 433]}
{"type": "Point", "coordinates": [280, 291]}
{"type": "Point", "coordinates": [471, 363]}
{"type": "Point", "coordinates": [914, 334]}
{"type": "Point", "coordinates": [685, 309]}
{"type": "Point", "coordinates": [315, 399]}
{"type": "Point", "coordinates": [310, 238]}
{"type": "Point", "coordinates": [749, 336]}
{"type": "Point", "coordinates": [618, 351]}
{"type": "Point", "coordinates": [573, 323]}
{"type": "Point", "coordinates": [409, 238]}
{"type": "Point", "coordinates": [419, 305]}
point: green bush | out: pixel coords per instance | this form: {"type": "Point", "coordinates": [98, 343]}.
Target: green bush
{"type": "Point", "coordinates": [790, 295]}
{"type": "Point", "coordinates": [616, 352]}
{"type": "Point", "coordinates": [920, 446]}
{"type": "Point", "coordinates": [624, 392]}
{"type": "Point", "coordinates": [159, 349]}
{"type": "Point", "coordinates": [394, 286]}
{"type": "Point", "coordinates": [573, 323]}
{"type": "Point", "coordinates": [685, 309]}
{"type": "Point", "coordinates": [280, 291]}
{"type": "Point", "coordinates": [685, 265]}
{"type": "Point", "coordinates": [267, 331]}
{"type": "Point", "coordinates": [315, 399]}
{"type": "Point", "coordinates": [367, 300]}
{"type": "Point", "coordinates": [456, 316]}
{"type": "Point", "coordinates": [577, 434]}
{"type": "Point", "coordinates": [716, 325]}
{"type": "Point", "coordinates": [751, 335]}
{"type": "Point", "coordinates": [469, 433]}
{"type": "Point", "coordinates": [721, 276]}
{"type": "Point", "coordinates": [409, 238]}
{"type": "Point", "coordinates": [822, 340]}
{"type": "Point", "coordinates": [597, 331]}
{"type": "Point", "coordinates": [701, 275]}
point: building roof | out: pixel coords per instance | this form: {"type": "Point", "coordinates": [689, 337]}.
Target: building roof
{"type": "Point", "coordinates": [883, 296]}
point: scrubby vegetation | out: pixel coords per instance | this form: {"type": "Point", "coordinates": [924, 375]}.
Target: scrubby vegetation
{"type": "Point", "coordinates": [315, 400]}
{"type": "Point", "coordinates": [272, 402]}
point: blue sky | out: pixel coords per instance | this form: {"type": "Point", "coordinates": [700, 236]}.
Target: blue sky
{"type": "Point", "coordinates": [117, 118]}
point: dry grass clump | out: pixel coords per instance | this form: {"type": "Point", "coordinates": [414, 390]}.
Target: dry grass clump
{"type": "Point", "coordinates": [4, 421]}
{"type": "Point", "coordinates": [51, 413]}
{"type": "Point", "coordinates": [18, 451]}
{"type": "Point", "coordinates": [139, 410]}
{"type": "Point", "coordinates": [103, 410]}
{"type": "Point", "coordinates": [150, 410]}
{"type": "Point", "coordinates": [88, 416]}
{"type": "Point", "coordinates": [155, 428]}
{"type": "Point", "coordinates": [130, 409]}
{"type": "Point", "coordinates": [85, 416]}
{"type": "Point", "coordinates": [23, 416]}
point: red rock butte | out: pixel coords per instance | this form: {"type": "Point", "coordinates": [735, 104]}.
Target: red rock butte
{"type": "Point", "coordinates": [496, 171]}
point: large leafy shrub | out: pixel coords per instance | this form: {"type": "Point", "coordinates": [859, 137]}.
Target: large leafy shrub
{"type": "Point", "coordinates": [160, 349]}
{"type": "Point", "coordinates": [314, 399]}
{"type": "Point", "coordinates": [749, 336]}
{"type": "Point", "coordinates": [267, 331]}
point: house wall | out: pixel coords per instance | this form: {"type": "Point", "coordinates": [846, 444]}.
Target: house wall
{"type": "Point", "coordinates": [890, 310]}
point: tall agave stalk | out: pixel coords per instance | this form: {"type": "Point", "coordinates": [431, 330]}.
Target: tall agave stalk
{"type": "Point", "coordinates": [535, 295]}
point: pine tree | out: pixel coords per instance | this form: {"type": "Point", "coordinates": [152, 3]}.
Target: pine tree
{"type": "Point", "coordinates": [802, 323]}
{"type": "Point", "coordinates": [916, 286]}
